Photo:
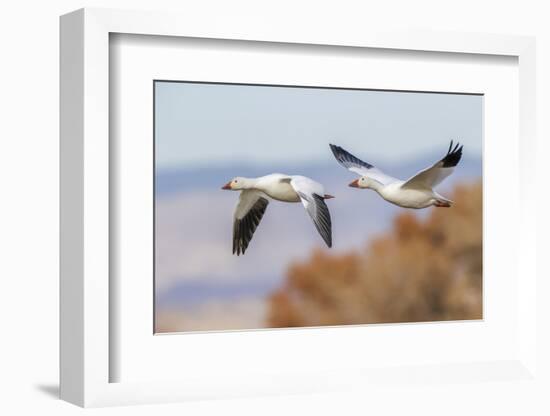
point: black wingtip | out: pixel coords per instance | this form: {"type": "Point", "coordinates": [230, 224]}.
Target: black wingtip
{"type": "Point", "coordinates": [327, 238]}
{"type": "Point", "coordinates": [336, 150]}
{"type": "Point", "coordinates": [453, 156]}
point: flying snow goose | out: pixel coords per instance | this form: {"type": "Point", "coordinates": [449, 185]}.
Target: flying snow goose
{"type": "Point", "coordinates": [253, 202]}
{"type": "Point", "coordinates": [416, 192]}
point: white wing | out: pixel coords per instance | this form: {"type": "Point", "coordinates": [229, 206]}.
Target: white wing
{"type": "Point", "coordinates": [312, 196]}
{"type": "Point", "coordinates": [356, 165]}
{"type": "Point", "coordinates": [248, 214]}
{"type": "Point", "coordinates": [435, 174]}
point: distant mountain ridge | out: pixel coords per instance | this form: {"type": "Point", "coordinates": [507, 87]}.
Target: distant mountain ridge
{"type": "Point", "coordinates": [170, 181]}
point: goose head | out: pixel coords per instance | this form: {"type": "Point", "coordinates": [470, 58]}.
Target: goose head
{"type": "Point", "coordinates": [362, 182]}
{"type": "Point", "coordinates": [235, 184]}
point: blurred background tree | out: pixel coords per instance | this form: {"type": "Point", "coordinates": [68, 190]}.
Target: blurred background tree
{"type": "Point", "coordinates": [422, 270]}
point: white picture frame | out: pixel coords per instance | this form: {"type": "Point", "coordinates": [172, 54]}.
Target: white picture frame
{"type": "Point", "coordinates": [86, 305]}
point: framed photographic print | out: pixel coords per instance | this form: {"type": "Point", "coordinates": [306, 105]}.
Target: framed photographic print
{"type": "Point", "coordinates": [250, 213]}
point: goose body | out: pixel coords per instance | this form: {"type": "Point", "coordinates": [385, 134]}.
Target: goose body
{"type": "Point", "coordinates": [277, 187]}
{"type": "Point", "coordinates": [416, 192]}
{"type": "Point", "coordinates": [254, 199]}
{"type": "Point", "coordinates": [410, 198]}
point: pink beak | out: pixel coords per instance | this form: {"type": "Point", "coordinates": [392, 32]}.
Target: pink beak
{"type": "Point", "coordinates": [227, 185]}
{"type": "Point", "coordinates": [354, 184]}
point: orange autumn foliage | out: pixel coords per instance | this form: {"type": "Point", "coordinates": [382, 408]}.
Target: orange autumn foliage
{"type": "Point", "coordinates": [422, 270]}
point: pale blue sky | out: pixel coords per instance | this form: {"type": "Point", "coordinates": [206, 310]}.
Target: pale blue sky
{"type": "Point", "coordinates": [198, 124]}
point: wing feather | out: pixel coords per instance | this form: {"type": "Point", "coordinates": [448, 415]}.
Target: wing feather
{"type": "Point", "coordinates": [248, 214]}
{"type": "Point", "coordinates": [356, 165]}
{"type": "Point", "coordinates": [435, 174]}
{"type": "Point", "coordinates": [312, 196]}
